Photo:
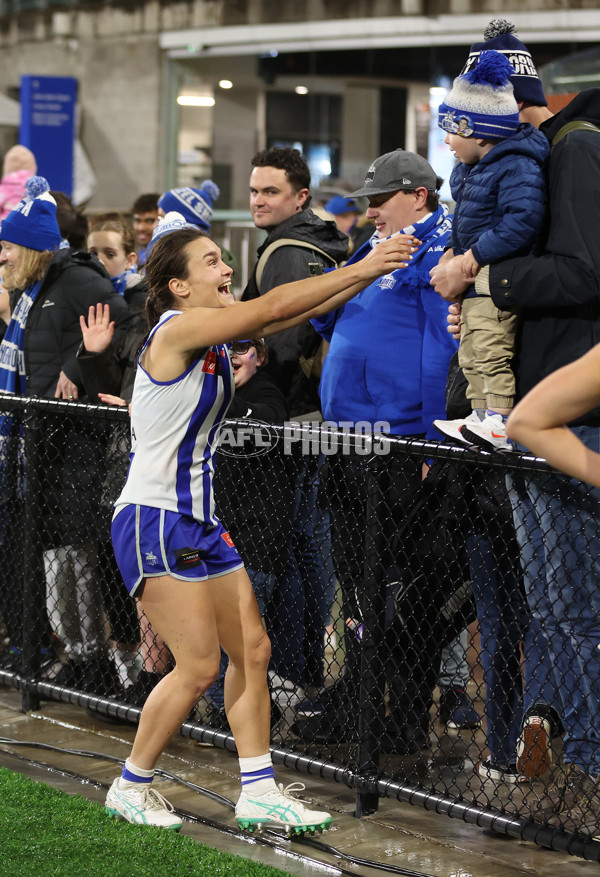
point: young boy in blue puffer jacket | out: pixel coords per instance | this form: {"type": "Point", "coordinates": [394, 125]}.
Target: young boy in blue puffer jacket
{"type": "Point", "coordinates": [499, 188]}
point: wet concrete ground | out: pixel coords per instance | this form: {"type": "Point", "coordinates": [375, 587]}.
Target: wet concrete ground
{"type": "Point", "coordinates": [398, 834]}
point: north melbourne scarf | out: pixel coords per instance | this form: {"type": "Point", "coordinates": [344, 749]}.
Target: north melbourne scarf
{"type": "Point", "coordinates": [12, 353]}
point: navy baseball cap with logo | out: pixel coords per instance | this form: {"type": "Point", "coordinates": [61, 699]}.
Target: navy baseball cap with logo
{"type": "Point", "coordinates": [500, 36]}
{"type": "Point", "coordinates": [396, 171]}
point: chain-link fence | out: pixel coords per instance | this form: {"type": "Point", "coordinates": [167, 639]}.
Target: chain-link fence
{"type": "Point", "coordinates": [433, 638]}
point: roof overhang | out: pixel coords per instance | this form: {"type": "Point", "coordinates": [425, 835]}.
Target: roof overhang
{"type": "Point", "coordinates": [577, 25]}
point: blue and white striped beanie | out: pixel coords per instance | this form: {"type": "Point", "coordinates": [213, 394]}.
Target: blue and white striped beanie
{"type": "Point", "coordinates": [32, 223]}
{"type": "Point", "coordinates": [195, 205]}
{"type": "Point", "coordinates": [482, 102]}
{"type": "Point", "coordinates": [173, 221]}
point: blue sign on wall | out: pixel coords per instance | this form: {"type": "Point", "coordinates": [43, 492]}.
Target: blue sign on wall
{"type": "Point", "coordinates": [48, 106]}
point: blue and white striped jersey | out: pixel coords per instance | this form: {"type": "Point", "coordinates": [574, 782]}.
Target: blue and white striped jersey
{"type": "Point", "coordinates": [174, 426]}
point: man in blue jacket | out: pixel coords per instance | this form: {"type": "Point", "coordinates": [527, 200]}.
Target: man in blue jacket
{"type": "Point", "coordinates": [397, 319]}
{"type": "Point", "coordinates": [387, 366]}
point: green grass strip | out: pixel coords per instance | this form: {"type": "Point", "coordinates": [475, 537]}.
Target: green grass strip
{"type": "Point", "coordinates": [47, 833]}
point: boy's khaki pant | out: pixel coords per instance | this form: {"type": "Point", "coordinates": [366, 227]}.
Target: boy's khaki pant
{"type": "Point", "coordinates": [487, 342]}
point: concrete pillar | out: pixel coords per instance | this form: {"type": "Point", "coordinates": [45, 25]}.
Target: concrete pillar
{"type": "Point", "coordinates": [235, 140]}
{"type": "Point", "coordinates": [360, 132]}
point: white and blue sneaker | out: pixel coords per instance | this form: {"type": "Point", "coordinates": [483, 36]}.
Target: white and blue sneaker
{"type": "Point", "coordinates": [278, 809]}
{"type": "Point", "coordinates": [453, 428]}
{"type": "Point", "coordinates": [489, 433]}
{"type": "Point", "coordinates": [143, 806]}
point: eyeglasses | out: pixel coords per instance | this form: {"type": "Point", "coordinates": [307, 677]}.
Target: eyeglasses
{"type": "Point", "coordinates": [241, 347]}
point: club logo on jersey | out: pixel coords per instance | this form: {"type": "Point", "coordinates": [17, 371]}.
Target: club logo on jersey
{"type": "Point", "coordinates": [210, 363]}
{"type": "Point", "coordinates": [227, 539]}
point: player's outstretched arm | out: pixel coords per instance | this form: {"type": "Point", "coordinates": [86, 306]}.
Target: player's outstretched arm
{"type": "Point", "coordinates": [540, 419]}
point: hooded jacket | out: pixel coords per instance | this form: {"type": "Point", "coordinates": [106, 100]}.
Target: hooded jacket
{"type": "Point", "coordinates": [389, 349]}
{"type": "Point", "coordinates": [285, 265]}
{"type": "Point", "coordinates": [558, 292]}
{"type": "Point", "coordinates": [501, 199]}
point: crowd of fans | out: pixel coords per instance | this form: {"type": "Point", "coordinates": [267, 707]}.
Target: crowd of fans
{"type": "Point", "coordinates": [521, 276]}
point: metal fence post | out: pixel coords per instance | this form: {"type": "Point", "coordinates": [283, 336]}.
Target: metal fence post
{"type": "Point", "coordinates": [34, 583]}
{"type": "Point", "coordinates": [372, 681]}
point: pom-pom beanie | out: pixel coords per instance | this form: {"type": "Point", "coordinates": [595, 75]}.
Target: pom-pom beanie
{"type": "Point", "coordinates": [32, 223]}
{"type": "Point", "coordinates": [195, 205]}
{"type": "Point", "coordinates": [500, 36]}
{"type": "Point", "coordinates": [482, 103]}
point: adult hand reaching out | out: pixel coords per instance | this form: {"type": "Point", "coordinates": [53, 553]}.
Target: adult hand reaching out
{"type": "Point", "coordinates": [448, 280]}
{"type": "Point", "coordinates": [99, 330]}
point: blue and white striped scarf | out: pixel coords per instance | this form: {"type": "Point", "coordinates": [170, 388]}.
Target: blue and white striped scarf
{"type": "Point", "coordinates": [12, 353]}
{"type": "Point", "coordinates": [430, 230]}
{"type": "Point", "coordinates": [13, 381]}
{"type": "Point", "coordinates": [119, 282]}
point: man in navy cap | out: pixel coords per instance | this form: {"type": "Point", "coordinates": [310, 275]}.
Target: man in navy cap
{"type": "Point", "coordinates": [345, 212]}
{"type": "Point", "coordinates": [347, 215]}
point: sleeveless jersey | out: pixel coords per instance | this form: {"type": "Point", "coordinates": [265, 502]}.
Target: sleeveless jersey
{"type": "Point", "coordinates": [174, 426]}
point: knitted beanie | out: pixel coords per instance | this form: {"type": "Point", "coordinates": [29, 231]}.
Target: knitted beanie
{"type": "Point", "coordinates": [500, 36]}
{"type": "Point", "coordinates": [482, 103]}
{"type": "Point", "coordinates": [195, 205]}
{"type": "Point", "coordinates": [32, 223]}
{"type": "Point", "coordinates": [172, 221]}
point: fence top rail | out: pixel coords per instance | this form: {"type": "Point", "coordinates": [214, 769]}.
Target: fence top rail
{"type": "Point", "coordinates": [329, 437]}
{"type": "Point", "coordinates": [27, 404]}
{"type": "Point", "coordinates": [311, 437]}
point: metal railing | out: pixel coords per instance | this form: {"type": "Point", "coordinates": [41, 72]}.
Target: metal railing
{"type": "Point", "coordinates": [367, 577]}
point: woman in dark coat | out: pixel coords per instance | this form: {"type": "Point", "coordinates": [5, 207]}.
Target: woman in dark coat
{"type": "Point", "coordinates": [50, 289]}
